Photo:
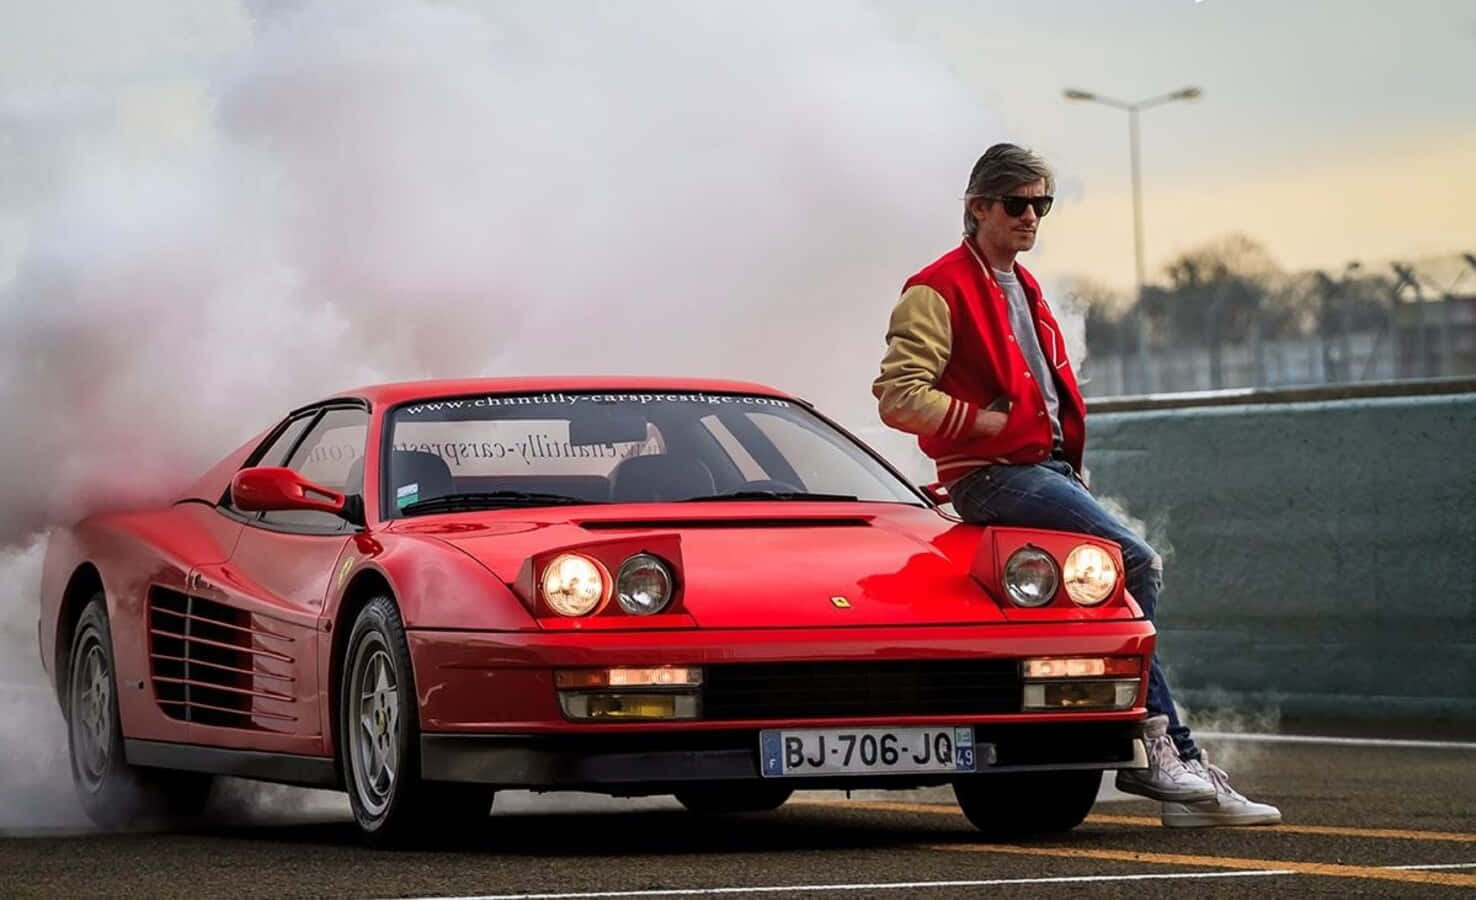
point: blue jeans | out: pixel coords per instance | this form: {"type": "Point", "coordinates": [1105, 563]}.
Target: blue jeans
{"type": "Point", "coordinates": [1049, 496]}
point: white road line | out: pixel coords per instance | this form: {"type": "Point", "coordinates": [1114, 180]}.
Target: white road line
{"type": "Point", "coordinates": [1445, 866]}
{"type": "Point", "coordinates": [1332, 741]}
{"type": "Point", "coordinates": [881, 886]}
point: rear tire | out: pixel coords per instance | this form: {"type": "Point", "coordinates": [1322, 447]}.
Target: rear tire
{"type": "Point", "coordinates": [710, 799]}
{"type": "Point", "coordinates": [379, 741]}
{"type": "Point", "coordinates": [113, 793]}
{"type": "Point", "coordinates": [1015, 805]}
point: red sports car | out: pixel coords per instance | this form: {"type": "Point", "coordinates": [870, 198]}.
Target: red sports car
{"type": "Point", "coordinates": [421, 593]}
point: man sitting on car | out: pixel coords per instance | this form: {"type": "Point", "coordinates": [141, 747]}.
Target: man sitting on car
{"type": "Point", "coordinates": [976, 367]}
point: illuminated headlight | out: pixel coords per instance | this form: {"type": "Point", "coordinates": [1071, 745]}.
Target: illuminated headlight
{"type": "Point", "coordinates": [574, 585]}
{"type": "Point", "coordinates": [1030, 577]}
{"type": "Point", "coordinates": [643, 586]}
{"type": "Point", "coordinates": [1090, 575]}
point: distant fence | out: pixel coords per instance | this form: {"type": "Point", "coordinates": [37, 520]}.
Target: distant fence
{"type": "Point", "coordinates": [1302, 361]}
{"type": "Point", "coordinates": [1320, 544]}
{"type": "Point", "coordinates": [1418, 340]}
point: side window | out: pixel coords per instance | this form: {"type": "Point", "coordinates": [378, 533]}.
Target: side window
{"type": "Point", "coordinates": [330, 456]}
{"type": "Point", "coordinates": [276, 450]}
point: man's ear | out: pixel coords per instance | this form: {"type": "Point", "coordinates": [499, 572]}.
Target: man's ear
{"type": "Point", "coordinates": [978, 206]}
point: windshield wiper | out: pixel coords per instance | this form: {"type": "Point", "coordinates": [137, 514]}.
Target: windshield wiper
{"type": "Point", "coordinates": [472, 500]}
{"type": "Point", "coordinates": [777, 495]}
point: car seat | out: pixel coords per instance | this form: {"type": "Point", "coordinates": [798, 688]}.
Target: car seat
{"type": "Point", "coordinates": [659, 477]}
{"type": "Point", "coordinates": [426, 472]}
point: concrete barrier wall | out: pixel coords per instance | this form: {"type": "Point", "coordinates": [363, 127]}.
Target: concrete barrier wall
{"type": "Point", "coordinates": [1321, 555]}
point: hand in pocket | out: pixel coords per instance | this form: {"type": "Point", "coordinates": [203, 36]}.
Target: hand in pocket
{"type": "Point", "coordinates": [988, 423]}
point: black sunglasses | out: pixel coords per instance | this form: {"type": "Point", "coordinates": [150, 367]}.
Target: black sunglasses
{"type": "Point", "coordinates": [1015, 206]}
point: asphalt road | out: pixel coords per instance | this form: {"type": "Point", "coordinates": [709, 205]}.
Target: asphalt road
{"type": "Point", "coordinates": [1352, 815]}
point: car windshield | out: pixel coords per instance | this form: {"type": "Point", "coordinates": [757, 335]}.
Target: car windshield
{"type": "Point", "coordinates": [455, 453]}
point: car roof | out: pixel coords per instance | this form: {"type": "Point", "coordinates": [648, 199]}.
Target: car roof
{"type": "Point", "coordinates": [210, 486]}
{"type": "Point", "coordinates": [381, 395]}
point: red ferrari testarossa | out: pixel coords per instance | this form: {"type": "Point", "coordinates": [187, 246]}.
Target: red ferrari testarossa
{"type": "Point", "coordinates": [423, 593]}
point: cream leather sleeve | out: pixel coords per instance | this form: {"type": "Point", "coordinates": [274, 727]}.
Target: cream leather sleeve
{"type": "Point", "coordinates": [919, 340]}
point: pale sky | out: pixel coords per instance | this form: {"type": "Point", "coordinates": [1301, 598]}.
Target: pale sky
{"type": "Point", "coordinates": [1328, 130]}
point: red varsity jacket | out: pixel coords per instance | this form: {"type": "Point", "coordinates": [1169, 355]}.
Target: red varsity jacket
{"type": "Point", "coordinates": [951, 352]}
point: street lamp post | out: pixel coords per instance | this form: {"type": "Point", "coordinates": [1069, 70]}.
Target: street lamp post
{"type": "Point", "coordinates": [1188, 93]}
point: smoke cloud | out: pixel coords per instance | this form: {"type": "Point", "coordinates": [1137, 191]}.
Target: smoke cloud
{"type": "Point", "coordinates": [356, 193]}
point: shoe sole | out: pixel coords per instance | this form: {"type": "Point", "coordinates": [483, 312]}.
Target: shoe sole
{"type": "Point", "coordinates": [1165, 796]}
{"type": "Point", "coordinates": [1199, 820]}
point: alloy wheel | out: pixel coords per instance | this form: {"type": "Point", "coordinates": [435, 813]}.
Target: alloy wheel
{"type": "Point", "coordinates": [92, 715]}
{"type": "Point", "coordinates": [374, 715]}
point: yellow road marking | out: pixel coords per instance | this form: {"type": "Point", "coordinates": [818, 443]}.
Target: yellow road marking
{"type": "Point", "coordinates": [944, 809]}
{"type": "Point", "coordinates": [1326, 870]}
{"type": "Point", "coordinates": [1403, 834]}
{"type": "Point", "coordinates": [937, 809]}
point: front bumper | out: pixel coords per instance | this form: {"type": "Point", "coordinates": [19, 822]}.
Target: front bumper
{"type": "Point", "coordinates": [501, 683]}
{"type": "Point", "coordinates": [658, 763]}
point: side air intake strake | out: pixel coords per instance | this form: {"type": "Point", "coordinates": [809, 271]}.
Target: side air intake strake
{"type": "Point", "coordinates": [214, 664]}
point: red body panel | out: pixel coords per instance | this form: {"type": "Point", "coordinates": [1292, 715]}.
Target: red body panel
{"type": "Point", "coordinates": [133, 552]}
{"type": "Point", "coordinates": [758, 582]}
{"type": "Point", "coordinates": [282, 580]}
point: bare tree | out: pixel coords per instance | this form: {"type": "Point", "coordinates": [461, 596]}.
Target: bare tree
{"type": "Point", "coordinates": [1108, 329]}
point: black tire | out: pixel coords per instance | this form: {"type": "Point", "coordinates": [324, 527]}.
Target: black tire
{"type": "Point", "coordinates": [113, 793]}
{"type": "Point", "coordinates": [712, 799]}
{"type": "Point", "coordinates": [1008, 806]}
{"type": "Point", "coordinates": [379, 741]}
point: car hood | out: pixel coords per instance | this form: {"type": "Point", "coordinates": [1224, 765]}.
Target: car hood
{"type": "Point", "coordinates": [746, 565]}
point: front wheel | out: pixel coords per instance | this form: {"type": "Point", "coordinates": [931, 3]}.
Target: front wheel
{"type": "Point", "coordinates": [733, 798]}
{"type": "Point", "coordinates": [115, 794]}
{"type": "Point", "coordinates": [1007, 806]}
{"type": "Point", "coordinates": [379, 739]}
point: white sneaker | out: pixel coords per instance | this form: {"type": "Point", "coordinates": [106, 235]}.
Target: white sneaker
{"type": "Point", "coordinates": [1167, 778]}
{"type": "Point", "coordinates": [1229, 807]}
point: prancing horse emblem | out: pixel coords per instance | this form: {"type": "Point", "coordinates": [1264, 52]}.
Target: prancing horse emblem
{"type": "Point", "coordinates": [840, 602]}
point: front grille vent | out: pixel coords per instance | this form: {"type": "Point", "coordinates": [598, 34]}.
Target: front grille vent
{"type": "Point", "coordinates": [210, 664]}
{"type": "Point", "coordinates": [822, 690]}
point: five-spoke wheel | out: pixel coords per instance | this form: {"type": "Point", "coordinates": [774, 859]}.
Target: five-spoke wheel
{"type": "Point", "coordinates": [113, 793]}
{"type": "Point", "coordinates": [379, 739]}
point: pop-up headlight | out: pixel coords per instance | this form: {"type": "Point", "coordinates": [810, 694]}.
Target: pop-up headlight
{"type": "Point", "coordinates": [1031, 577]}
{"type": "Point", "coordinates": [574, 585]}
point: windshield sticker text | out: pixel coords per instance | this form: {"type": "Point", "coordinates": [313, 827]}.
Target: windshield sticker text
{"type": "Point", "coordinates": [560, 399]}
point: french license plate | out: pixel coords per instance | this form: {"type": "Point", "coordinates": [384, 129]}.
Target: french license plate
{"type": "Point", "coordinates": [848, 751]}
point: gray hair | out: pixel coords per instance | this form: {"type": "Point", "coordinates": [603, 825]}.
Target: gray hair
{"type": "Point", "coordinates": [1000, 170]}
